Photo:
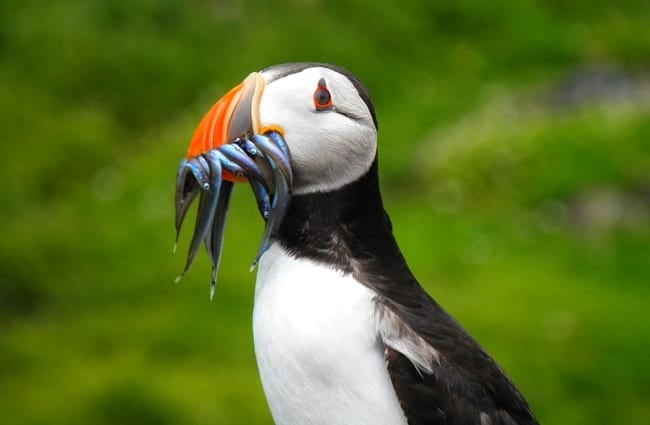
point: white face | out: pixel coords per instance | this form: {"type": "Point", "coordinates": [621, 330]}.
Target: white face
{"type": "Point", "coordinates": [329, 148]}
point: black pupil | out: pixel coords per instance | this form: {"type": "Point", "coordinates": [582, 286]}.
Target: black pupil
{"type": "Point", "coordinates": [322, 97]}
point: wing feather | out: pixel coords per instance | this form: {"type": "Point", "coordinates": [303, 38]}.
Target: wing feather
{"type": "Point", "coordinates": [461, 385]}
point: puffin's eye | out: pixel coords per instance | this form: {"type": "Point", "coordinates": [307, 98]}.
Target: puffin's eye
{"type": "Point", "coordinates": [322, 96]}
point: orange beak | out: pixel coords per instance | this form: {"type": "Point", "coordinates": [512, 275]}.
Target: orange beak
{"type": "Point", "coordinates": [262, 158]}
{"type": "Point", "coordinates": [234, 115]}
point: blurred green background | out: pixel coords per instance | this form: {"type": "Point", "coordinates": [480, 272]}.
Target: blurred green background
{"type": "Point", "coordinates": [515, 162]}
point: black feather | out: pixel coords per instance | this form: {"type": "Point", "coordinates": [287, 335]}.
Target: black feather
{"type": "Point", "coordinates": [349, 229]}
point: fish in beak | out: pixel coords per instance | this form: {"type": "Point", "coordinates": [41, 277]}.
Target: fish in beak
{"type": "Point", "coordinates": [230, 145]}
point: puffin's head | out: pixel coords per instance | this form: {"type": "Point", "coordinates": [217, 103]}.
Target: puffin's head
{"type": "Point", "coordinates": [323, 112]}
{"type": "Point", "coordinates": [290, 129]}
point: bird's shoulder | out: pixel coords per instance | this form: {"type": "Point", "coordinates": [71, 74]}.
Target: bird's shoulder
{"type": "Point", "coordinates": [440, 374]}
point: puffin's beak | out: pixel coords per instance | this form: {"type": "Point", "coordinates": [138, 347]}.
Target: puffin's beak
{"type": "Point", "coordinates": [230, 144]}
{"type": "Point", "coordinates": [235, 115]}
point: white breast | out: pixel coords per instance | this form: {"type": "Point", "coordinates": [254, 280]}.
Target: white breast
{"type": "Point", "coordinates": [317, 348]}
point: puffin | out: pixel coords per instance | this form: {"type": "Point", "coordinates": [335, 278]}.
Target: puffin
{"type": "Point", "coordinates": [343, 332]}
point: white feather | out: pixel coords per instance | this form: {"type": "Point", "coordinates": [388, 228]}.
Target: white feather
{"type": "Point", "coordinates": [399, 336]}
{"type": "Point", "coordinates": [328, 148]}
{"type": "Point", "coordinates": [318, 352]}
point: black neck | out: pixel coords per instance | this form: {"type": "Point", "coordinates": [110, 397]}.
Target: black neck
{"type": "Point", "coordinates": [347, 228]}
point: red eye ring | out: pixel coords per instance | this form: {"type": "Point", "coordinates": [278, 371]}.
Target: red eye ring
{"type": "Point", "coordinates": [322, 96]}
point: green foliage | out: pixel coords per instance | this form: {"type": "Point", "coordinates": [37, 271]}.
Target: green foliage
{"type": "Point", "coordinates": [524, 212]}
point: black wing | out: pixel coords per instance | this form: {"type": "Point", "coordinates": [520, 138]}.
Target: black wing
{"type": "Point", "coordinates": [448, 396]}
{"type": "Point", "coordinates": [465, 387]}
